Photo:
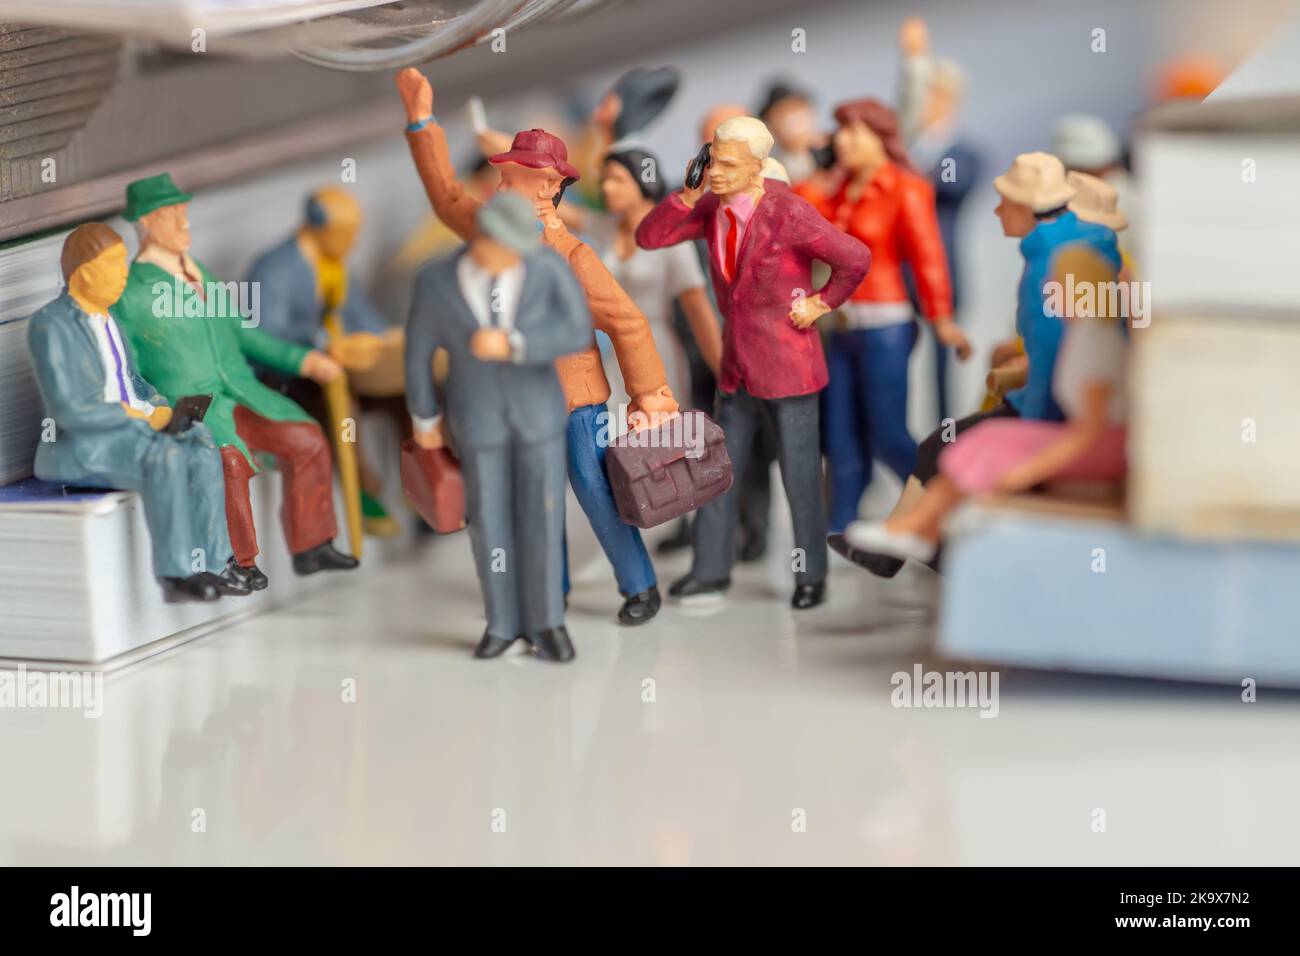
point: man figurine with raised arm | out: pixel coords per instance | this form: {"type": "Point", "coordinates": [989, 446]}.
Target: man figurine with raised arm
{"type": "Point", "coordinates": [762, 244]}
{"type": "Point", "coordinates": [505, 308]}
{"type": "Point", "coordinates": [110, 425]}
{"type": "Point", "coordinates": [537, 168]}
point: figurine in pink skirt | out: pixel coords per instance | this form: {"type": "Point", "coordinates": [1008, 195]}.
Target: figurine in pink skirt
{"type": "Point", "coordinates": [1011, 455]}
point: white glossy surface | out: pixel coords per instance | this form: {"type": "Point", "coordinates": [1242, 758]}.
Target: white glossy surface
{"type": "Point", "coordinates": [757, 713]}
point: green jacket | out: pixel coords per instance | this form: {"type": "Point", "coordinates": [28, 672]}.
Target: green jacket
{"type": "Point", "coordinates": [182, 350]}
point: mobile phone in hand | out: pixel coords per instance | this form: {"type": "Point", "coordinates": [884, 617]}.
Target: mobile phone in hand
{"type": "Point", "coordinates": [696, 167]}
{"type": "Point", "coordinates": [186, 412]}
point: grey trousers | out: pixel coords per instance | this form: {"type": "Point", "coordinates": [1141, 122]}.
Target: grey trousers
{"type": "Point", "coordinates": [795, 421]}
{"type": "Point", "coordinates": [514, 499]}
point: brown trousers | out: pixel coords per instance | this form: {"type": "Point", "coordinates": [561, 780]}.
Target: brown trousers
{"type": "Point", "coordinates": [302, 454]}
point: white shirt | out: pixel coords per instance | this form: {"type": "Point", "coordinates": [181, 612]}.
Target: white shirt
{"type": "Point", "coordinates": [1093, 352]}
{"type": "Point", "coordinates": [475, 285]}
{"type": "Point", "coordinates": [108, 338]}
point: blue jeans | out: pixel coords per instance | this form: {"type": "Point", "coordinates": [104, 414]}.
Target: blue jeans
{"type": "Point", "coordinates": [587, 430]}
{"type": "Point", "coordinates": [865, 412]}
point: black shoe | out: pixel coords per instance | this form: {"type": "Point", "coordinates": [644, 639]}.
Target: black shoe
{"type": "Point", "coordinates": [196, 587]}
{"type": "Point", "coordinates": [640, 608]}
{"type": "Point", "coordinates": [881, 565]}
{"type": "Point", "coordinates": [689, 587]}
{"type": "Point", "coordinates": [679, 541]}
{"type": "Point", "coordinates": [256, 579]}
{"type": "Point", "coordinates": [493, 646]}
{"type": "Point", "coordinates": [323, 557]}
{"type": "Point", "coordinates": [553, 644]}
{"type": "Point", "coordinates": [808, 595]}
{"type": "Point", "coordinates": [753, 549]}
{"type": "Point", "coordinates": [232, 580]}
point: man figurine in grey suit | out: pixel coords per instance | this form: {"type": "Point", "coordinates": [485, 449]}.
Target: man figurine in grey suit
{"type": "Point", "coordinates": [505, 308]}
{"type": "Point", "coordinates": [109, 425]}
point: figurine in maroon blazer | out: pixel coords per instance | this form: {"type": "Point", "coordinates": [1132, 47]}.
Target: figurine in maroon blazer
{"type": "Point", "coordinates": [762, 242]}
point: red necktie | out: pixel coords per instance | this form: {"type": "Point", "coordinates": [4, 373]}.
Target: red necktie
{"type": "Point", "coordinates": [729, 259]}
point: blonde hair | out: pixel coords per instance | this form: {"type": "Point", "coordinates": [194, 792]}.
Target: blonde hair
{"type": "Point", "coordinates": [774, 170]}
{"type": "Point", "coordinates": [749, 130]}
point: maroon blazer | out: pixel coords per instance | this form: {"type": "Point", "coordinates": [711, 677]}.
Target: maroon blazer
{"type": "Point", "coordinates": [762, 351]}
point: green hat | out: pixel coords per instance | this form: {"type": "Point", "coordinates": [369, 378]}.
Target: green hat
{"type": "Point", "coordinates": [145, 195]}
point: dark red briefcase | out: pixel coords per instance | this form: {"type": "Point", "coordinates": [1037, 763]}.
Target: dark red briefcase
{"type": "Point", "coordinates": [665, 472]}
{"type": "Point", "coordinates": [431, 479]}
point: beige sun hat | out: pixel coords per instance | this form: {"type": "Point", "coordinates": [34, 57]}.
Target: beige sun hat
{"type": "Point", "coordinates": [1095, 200]}
{"type": "Point", "coordinates": [1036, 180]}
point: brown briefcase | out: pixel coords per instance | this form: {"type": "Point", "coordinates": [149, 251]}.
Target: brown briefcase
{"type": "Point", "coordinates": [665, 472]}
{"type": "Point", "coordinates": [432, 481]}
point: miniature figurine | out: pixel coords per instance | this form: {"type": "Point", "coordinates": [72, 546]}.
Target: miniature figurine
{"type": "Point", "coordinates": [1087, 144]}
{"type": "Point", "coordinates": [762, 243]}
{"type": "Point", "coordinates": [884, 203]}
{"type": "Point", "coordinates": [189, 337]}
{"type": "Point", "coordinates": [1013, 455]}
{"type": "Point", "coordinates": [113, 429]}
{"type": "Point", "coordinates": [1035, 196]}
{"type": "Point", "coordinates": [505, 308]}
{"type": "Point", "coordinates": [537, 167]}
{"type": "Point", "coordinates": [933, 91]}
{"type": "Point", "coordinates": [788, 113]}
{"type": "Point", "coordinates": [308, 296]}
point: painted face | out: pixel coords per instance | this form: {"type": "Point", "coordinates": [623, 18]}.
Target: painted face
{"type": "Point", "coordinates": [622, 193]}
{"type": "Point", "coordinates": [1017, 219]}
{"type": "Point", "coordinates": [102, 280]}
{"type": "Point", "coordinates": [733, 168]}
{"type": "Point", "coordinates": [169, 227]}
{"type": "Point", "coordinates": [337, 238]}
{"type": "Point", "coordinates": [538, 186]}
{"type": "Point", "coordinates": [858, 147]}
{"type": "Point", "coordinates": [793, 123]}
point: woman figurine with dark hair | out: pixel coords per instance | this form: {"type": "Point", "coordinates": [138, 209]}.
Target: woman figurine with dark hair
{"type": "Point", "coordinates": [656, 279]}
{"type": "Point", "coordinates": [883, 202]}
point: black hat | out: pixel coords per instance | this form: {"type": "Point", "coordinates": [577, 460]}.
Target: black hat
{"type": "Point", "coordinates": [643, 95]}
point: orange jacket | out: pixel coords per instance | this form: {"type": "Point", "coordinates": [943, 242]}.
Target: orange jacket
{"type": "Point", "coordinates": [895, 218]}
{"type": "Point", "coordinates": [612, 309]}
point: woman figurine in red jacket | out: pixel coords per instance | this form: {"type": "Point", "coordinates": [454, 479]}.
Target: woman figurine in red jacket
{"type": "Point", "coordinates": [875, 196]}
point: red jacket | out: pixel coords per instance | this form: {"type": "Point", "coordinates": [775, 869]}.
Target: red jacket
{"type": "Point", "coordinates": [762, 351]}
{"type": "Point", "coordinates": [896, 219]}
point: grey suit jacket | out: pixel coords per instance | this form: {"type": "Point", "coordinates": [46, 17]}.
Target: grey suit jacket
{"type": "Point", "coordinates": [290, 306]}
{"type": "Point", "coordinates": [491, 403]}
{"type": "Point", "coordinates": [92, 436]}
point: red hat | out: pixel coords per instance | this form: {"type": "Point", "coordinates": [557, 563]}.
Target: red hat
{"type": "Point", "coordinates": [538, 149]}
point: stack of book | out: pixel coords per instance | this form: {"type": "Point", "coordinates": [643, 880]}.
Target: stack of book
{"type": "Point", "coordinates": [1196, 579]}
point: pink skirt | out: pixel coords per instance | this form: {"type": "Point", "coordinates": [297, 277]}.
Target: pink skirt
{"type": "Point", "coordinates": [980, 457]}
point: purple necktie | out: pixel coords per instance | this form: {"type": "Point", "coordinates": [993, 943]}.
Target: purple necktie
{"type": "Point", "coordinates": [117, 359]}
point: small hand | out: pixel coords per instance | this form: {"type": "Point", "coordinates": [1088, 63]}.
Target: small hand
{"type": "Point", "coordinates": [416, 93]}
{"type": "Point", "coordinates": [807, 311]}
{"type": "Point", "coordinates": [652, 409]}
{"type": "Point", "coordinates": [949, 333]}
{"type": "Point", "coordinates": [914, 37]}
{"type": "Point", "coordinates": [358, 352]}
{"type": "Point", "coordinates": [320, 368]}
{"type": "Point", "coordinates": [160, 418]}
{"type": "Point", "coordinates": [432, 438]}
{"type": "Point", "coordinates": [490, 345]}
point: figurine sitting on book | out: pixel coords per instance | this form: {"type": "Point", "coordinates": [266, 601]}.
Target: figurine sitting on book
{"type": "Point", "coordinates": [113, 430]}
{"type": "Point", "coordinates": [191, 334]}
